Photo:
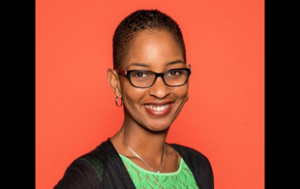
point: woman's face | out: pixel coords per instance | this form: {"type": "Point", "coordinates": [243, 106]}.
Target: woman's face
{"type": "Point", "coordinates": [156, 107]}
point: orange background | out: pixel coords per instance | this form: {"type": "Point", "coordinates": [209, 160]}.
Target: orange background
{"type": "Point", "coordinates": [224, 117]}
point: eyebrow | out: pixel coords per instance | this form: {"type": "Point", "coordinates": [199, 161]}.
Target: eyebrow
{"type": "Point", "coordinates": [138, 64]}
{"type": "Point", "coordinates": [176, 62]}
{"type": "Point", "coordinates": [147, 66]}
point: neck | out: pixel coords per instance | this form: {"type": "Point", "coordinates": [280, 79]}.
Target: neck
{"type": "Point", "coordinates": [144, 142]}
{"type": "Point", "coordinates": [159, 160]}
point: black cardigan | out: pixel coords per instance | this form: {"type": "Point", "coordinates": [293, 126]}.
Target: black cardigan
{"type": "Point", "coordinates": [102, 168]}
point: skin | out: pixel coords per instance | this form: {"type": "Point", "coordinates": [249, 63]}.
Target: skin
{"type": "Point", "coordinates": [145, 129]}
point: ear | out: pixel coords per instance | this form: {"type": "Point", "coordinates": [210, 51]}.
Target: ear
{"type": "Point", "coordinates": [113, 80]}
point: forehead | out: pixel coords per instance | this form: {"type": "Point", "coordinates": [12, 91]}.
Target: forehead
{"type": "Point", "coordinates": [154, 48]}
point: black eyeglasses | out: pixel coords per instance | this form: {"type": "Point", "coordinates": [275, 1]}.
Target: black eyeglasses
{"type": "Point", "coordinates": [144, 78]}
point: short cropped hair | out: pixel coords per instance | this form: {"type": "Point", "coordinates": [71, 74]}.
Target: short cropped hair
{"type": "Point", "coordinates": [138, 21]}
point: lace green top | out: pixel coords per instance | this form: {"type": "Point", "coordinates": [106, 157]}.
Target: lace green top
{"type": "Point", "coordinates": [143, 179]}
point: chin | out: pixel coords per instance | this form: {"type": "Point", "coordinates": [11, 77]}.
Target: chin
{"type": "Point", "coordinates": [158, 127]}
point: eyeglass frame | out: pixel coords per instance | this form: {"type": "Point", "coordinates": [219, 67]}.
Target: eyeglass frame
{"type": "Point", "coordinates": [126, 73]}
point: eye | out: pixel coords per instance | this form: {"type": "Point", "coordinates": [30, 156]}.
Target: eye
{"type": "Point", "coordinates": [174, 72]}
{"type": "Point", "coordinates": [140, 74]}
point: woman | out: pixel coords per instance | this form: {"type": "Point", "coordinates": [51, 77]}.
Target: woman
{"type": "Point", "coordinates": [150, 80]}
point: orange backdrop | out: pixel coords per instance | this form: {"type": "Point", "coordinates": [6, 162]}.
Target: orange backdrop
{"type": "Point", "coordinates": [224, 117]}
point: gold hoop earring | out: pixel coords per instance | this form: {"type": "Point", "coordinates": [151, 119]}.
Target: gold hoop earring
{"type": "Point", "coordinates": [116, 101]}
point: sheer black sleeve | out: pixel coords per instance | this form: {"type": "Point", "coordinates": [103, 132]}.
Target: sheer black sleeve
{"type": "Point", "coordinates": [79, 175]}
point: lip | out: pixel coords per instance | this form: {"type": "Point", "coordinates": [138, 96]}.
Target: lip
{"type": "Point", "coordinates": [158, 109]}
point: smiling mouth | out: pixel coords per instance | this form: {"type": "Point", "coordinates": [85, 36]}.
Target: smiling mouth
{"type": "Point", "coordinates": [157, 107]}
{"type": "Point", "coordinates": [158, 110]}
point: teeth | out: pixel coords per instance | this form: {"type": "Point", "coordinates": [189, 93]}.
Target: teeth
{"type": "Point", "coordinates": [157, 107]}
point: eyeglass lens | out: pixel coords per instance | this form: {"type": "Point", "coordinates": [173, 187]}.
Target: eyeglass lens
{"type": "Point", "coordinates": [141, 78]}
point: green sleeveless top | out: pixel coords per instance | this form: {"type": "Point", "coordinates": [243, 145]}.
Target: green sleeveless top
{"type": "Point", "coordinates": [143, 179]}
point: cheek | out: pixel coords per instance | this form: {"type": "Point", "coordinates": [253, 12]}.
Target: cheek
{"type": "Point", "coordinates": [131, 94]}
{"type": "Point", "coordinates": [181, 92]}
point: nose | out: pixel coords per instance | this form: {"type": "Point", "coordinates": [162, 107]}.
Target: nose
{"type": "Point", "coordinates": [159, 89]}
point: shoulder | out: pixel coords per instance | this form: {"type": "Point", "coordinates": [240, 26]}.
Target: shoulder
{"type": "Point", "coordinates": [198, 163]}
{"type": "Point", "coordinates": [86, 170]}
{"type": "Point", "coordinates": [98, 157]}
{"type": "Point", "coordinates": [186, 151]}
